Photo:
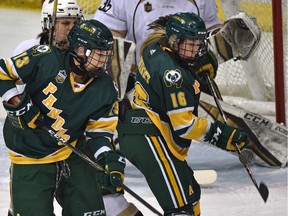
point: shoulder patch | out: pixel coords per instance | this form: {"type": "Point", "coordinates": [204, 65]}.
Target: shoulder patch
{"type": "Point", "coordinates": [173, 78]}
{"type": "Point", "coordinates": [41, 49]}
{"type": "Point", "coordinates": [61, 76]}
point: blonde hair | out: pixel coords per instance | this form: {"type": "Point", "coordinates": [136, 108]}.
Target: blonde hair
{"type": "Point", "coordinates": [155, 36]}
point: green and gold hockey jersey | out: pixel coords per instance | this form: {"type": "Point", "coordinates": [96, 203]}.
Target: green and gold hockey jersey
{"type": "Point", "coordinates": [170, 95]}
{"type": "Point", "coordinates": [78, 114]}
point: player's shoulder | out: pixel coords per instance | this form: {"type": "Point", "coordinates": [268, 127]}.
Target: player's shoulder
{"type": "Point", "coordinates": [43, 50]}
{"type": "Point", "coordinates": [159, 58]}
{"type": "Point", "coordinates": [105, 86]}
{"type": "Point", "coordinates": [25, 45]}
{"type": "Point", "coordinates": [106, 5]}
{"type": "Point", "coordinates": [115, 7]}
{"type": "Point", "coordinates": [42, 55]}
{"type": "Point", "coordinates": [119, 3]}
{"type": "Point", "coordinates": [156, 52]}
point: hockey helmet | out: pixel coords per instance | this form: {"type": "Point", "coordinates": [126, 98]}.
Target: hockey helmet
{"type": "Point", "coordinates": [65, 9]}
{"type": "Point", "coordinates": [91, 35]}
{"type": "Point", "coordinates": [179, 29]}
{"type": "Point", "coordinates": [186, 25]}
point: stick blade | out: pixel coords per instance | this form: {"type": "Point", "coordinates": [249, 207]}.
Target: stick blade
{"type": "Point", "coordinates": [205, 177]}
{"type": "Point", "coordinates": [264, 192]}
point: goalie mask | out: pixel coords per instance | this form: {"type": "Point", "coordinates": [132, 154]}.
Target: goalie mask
{"type": "Point", "coordinates": [186, 33]}
{"type": "Point", "coordinates": [91, 48]}
{"type": "Point", "coordinates": [66, 9]}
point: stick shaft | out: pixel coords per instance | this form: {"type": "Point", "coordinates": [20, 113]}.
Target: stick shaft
{"type": "Point", "coordinates": [263, 194]}
{"type": "Point", "coordinates": [94, 164]}
{"type": "Point", "coordinates": [53, 21]}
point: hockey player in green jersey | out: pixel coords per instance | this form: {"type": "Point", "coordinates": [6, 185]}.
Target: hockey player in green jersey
{"type": "Point", "coordinates": [157, 132]}
{"type": "Point", "coordinates": [71, 93]}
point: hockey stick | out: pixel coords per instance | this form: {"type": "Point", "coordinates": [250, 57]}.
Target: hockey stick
{"type": "Point", "coordinates": [53, 21]}
{"type": "Point", "coordinates": [262, 188]}
{"type": "Point", "coordinates": [93, 164]}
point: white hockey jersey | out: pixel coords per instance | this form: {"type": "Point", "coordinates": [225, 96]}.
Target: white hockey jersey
{"type": "Point", "coordinates": [134, 16]}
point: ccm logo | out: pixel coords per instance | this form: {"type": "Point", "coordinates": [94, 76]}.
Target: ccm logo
{"type": "Point", "coordinates": [95, 213]}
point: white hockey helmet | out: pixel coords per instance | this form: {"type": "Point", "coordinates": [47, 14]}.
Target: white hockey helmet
{"type": "Point", "coordinates": [65, 8]}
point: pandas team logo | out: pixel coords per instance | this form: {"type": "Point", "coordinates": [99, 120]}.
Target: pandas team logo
{"type": "Point", "coordinates": [173, 78]}
{"type": "Point", "coordinates": [40, 50]}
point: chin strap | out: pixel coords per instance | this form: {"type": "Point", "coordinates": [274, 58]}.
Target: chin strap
{"type": "Point", "coordinates": [80, 70]}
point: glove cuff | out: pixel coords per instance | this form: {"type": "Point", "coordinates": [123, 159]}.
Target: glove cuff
{"type": "Point", "coordinates": [21, 108]}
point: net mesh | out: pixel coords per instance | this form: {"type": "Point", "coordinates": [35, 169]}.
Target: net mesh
{"type": "Point", "coordinates": [233, 77]}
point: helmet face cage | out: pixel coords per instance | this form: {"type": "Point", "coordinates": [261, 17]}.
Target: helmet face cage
{"type": "Point", "coordinates": [97, 42]}
{"type": "Point", "coordinates": [186, 33]}
{"type": "Point", "coordinates": [188, 51]}
{"type": "Point", "coordinates": [65, 9]}
{"type": "Point", "coordinates": [94, 62]}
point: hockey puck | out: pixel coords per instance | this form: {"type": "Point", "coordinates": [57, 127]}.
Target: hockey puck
{"type": "Point", "coordinates": [246, 156]}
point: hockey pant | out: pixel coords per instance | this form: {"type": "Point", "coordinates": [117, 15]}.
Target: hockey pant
{"type": "Point", "coordinates": [73, 181]}
{"type": "Point", "coordinates": [171, 180]}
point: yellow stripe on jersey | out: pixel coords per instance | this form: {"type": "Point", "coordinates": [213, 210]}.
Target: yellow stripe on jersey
{"type": "Point", "coordinates": [59, 155]}
{"type": "Point", "coordinates": [4, 75]}
{"type": "Point", "coordinates": [72, 81]}
{"type": "Point", "coordinates": [184, 118]}
{"type": "Point", "coordinates": [198, 130]}
{"type": "Point", "coordinates": [102, 125]}
{"type": "Point", "coordinates": [11, 70]}
{"type": "Point", "coordinates": [181, 118]}
{"type": "Point", "coordinates": [178, 151]}
{"type": "Point", "coordinates": [171, 176]}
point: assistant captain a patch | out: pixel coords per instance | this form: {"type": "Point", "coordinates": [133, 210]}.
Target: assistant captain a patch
{"type": "Point", "coordinates": [173, 78]}
{"type": "Point", "coordinates": [61, 76]}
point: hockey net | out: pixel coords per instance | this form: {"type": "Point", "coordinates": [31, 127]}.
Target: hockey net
{"type": "Point", "coordinates": [248, 84]}
{"type": "Point", "coordinates": [89, 7]}
{"type": "Point", "coordinates": [253, 80]}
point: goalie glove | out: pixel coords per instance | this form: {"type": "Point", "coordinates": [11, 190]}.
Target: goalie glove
{"type": "Point", "coordinates": [224, 136]}
{"type": "Point", "coordinates": [237, 39]}
{"type": "Point", "coordinates": [113, 163]}
{"type": "Point", "coordinates": [207, 64]}
{"type": "Point", "coordinates": [24, 114]}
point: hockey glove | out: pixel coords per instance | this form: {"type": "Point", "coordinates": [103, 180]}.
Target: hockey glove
{"type": "Point", "coordinates": [224, 136]}
{"type": "Point", "coordinates": [24, 114]}
{"type": "Point", "coordinates": [114, 163]}
{"type": "Point", "coordinates": [207, 64]}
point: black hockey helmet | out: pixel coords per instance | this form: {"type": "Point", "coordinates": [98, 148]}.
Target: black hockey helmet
{"type": "Point", "coordinates": [91, 35]}
{"type": "Point", "coordinates": [182, 26]}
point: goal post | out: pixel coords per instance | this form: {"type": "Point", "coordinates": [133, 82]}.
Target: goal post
{"type": "Point", "coordinates": [279, 61]}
